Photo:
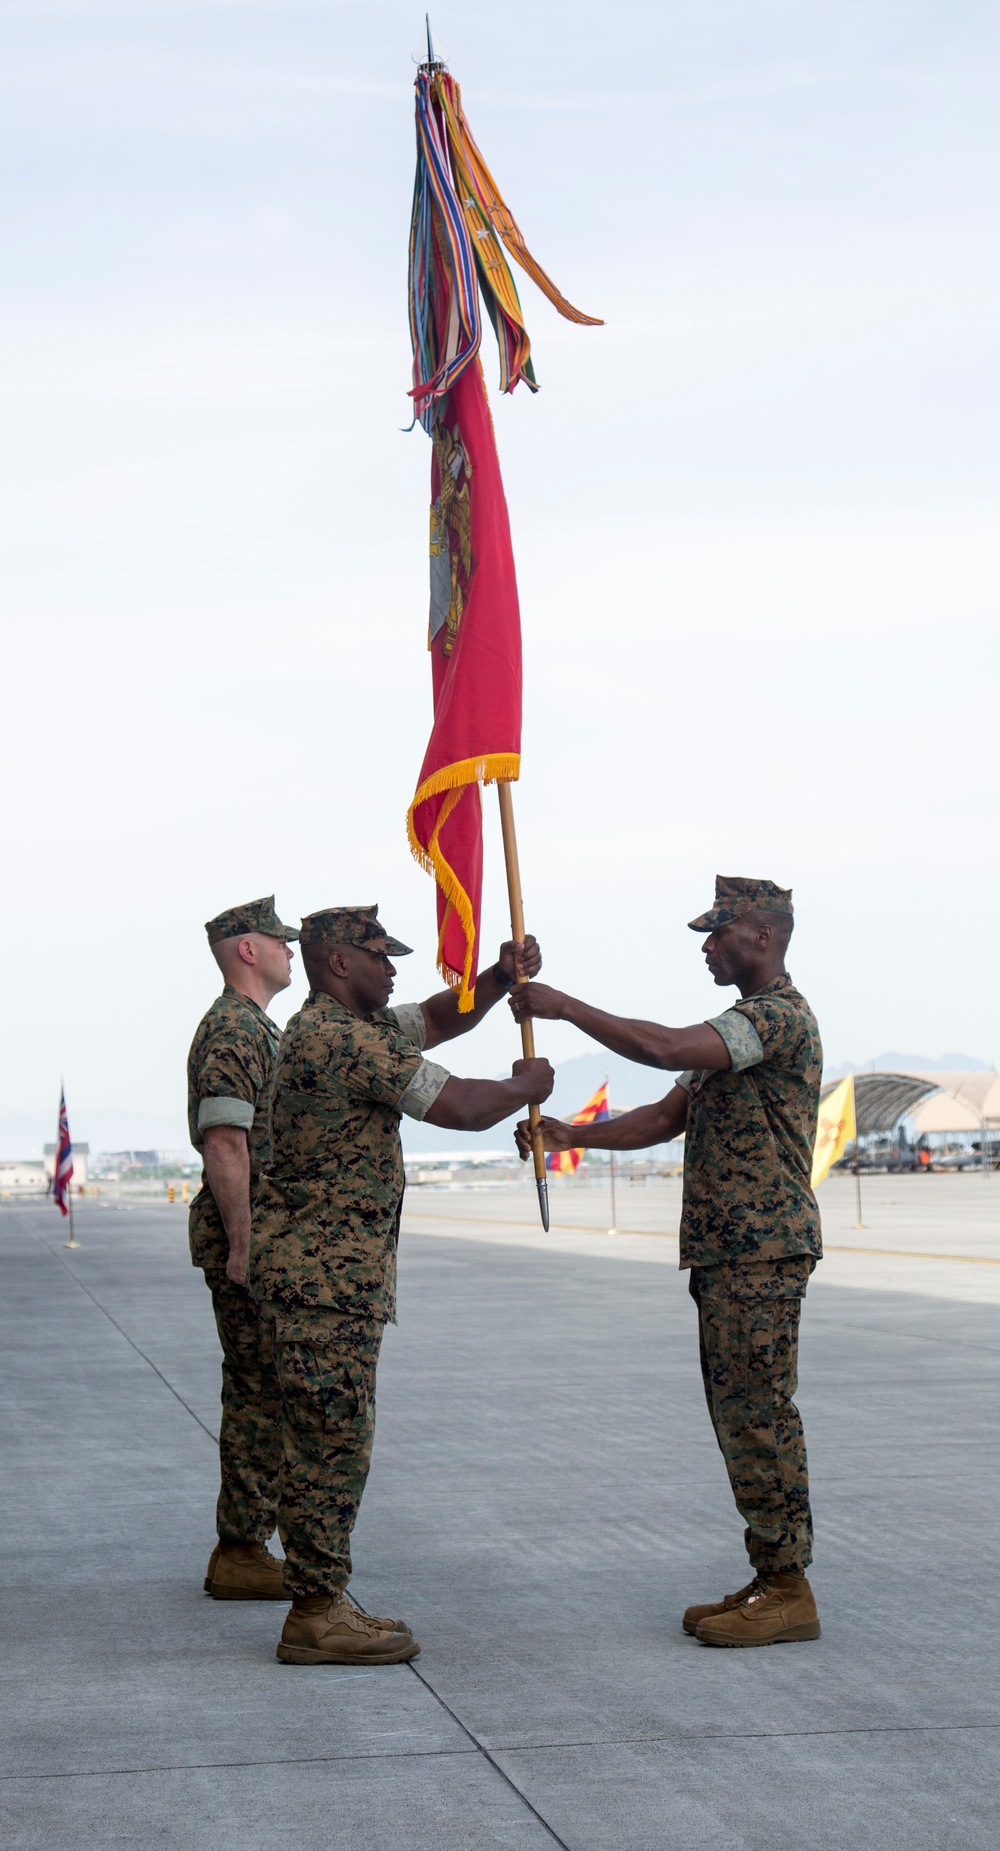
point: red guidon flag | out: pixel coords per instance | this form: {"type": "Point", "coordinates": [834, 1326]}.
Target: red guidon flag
{"type": "Point", "coordinates": [460, 224]}
{"type": "Point", "coordinates": [475, 644]}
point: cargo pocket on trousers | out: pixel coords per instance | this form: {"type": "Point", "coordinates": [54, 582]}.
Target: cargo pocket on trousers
{"type": "Point", "coordinates": [345, 1396]}
{"type": "Point", "coordinates": [726, 1333]}
{"type": "Point", "coordinates": [741, 1354]}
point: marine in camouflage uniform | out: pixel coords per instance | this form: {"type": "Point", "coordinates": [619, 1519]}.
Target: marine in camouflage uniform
{"type": "Point", "coordinates": [229, 1073]}
{"type": "Point", "coordinates": [323, 1248]}
{"type": "Point", "coordinates": [323, 1253]}
{"type": "Point", "coordinates": [750, 1232]}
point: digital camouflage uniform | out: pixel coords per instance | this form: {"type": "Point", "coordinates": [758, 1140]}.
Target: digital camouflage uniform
{"type": "Point", "coordinates": [229, 1073]}
{"type": "Point", "coordinates": [323, 1246]}
{"type": "Point", "coordinates": [750, 1233]}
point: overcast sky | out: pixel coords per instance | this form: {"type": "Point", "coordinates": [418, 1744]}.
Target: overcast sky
{"type": "Point", "coordinates": [754, 515]}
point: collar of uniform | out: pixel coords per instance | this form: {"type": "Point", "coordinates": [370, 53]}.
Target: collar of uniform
{"type": "Point", "coordinates": [783, 982]}
{"type": "Point", "coordinates": [230, 990]}
{"type": "Point", "coordinates": [338, 1011]}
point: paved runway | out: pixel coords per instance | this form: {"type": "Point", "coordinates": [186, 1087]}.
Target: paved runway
{"type": "Point", "coordinates": [546, 1497]}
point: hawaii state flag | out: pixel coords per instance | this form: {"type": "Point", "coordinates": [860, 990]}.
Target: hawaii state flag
{"type": "Point", "coordinates": [458, 226]}
{"type": "Point", "coordinates": [62, 1174]}
{"type": "Point", "coordinates": [567, 1162]}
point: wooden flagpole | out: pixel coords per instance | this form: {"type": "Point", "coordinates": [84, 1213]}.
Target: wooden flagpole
{"type": "Point", "coordinates": [527, 1026]}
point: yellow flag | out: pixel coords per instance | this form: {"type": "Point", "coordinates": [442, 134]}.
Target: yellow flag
{"type": "Point", "coordinates": [837, 1126]}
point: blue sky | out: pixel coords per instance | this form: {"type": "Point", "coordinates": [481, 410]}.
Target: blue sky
{"type": "Point", "coordinates": [754, 515]}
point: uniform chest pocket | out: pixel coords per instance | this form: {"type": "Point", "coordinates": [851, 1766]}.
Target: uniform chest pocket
{"type": "Point", "coordinates": [294, 1195]}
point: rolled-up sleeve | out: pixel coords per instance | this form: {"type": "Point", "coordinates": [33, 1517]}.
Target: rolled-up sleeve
{"type": "Point", "coordinates": [379, 1062]}
{"type": "Point", "coordinates": [424, 1088]}
{"type": "Point", "coordinates": [230, 1077]}
{"type": "Point", "coordinates": [411, 1021]}
{"type": "Point", "coordinates": [238, 1112]}
{"type": "Point", "coordinates": [741, 1038]}
{"type": "Point", "coordinates": [777, 1025]}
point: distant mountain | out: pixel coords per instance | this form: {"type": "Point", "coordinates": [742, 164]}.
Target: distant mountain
{"type": "Point", "coordinates": [910, 1063]}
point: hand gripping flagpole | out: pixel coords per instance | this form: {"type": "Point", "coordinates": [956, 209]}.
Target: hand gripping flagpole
{"type": "Point", "coordinates": [527, 1026]}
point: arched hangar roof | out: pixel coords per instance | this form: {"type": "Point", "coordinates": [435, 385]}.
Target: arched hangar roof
{"type": "Point", "coordinates": [881, 1099]}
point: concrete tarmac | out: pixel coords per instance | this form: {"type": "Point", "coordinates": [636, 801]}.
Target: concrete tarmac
{"type": "Point", "coordinates": [546, 1497]}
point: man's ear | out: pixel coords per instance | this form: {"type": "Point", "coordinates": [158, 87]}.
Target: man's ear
{"type": "Point", "coordinates": [337, 963]}
{"type": "Point", "coordinates": [246, 952]}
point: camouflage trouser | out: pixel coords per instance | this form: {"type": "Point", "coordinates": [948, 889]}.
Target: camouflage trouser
{"type": "Point", "coordinates": [748, 1327]}
{"type": "Point", "coordinates": [326, 1372]}
{"type": "Point", "coordinates": [250, 1434]}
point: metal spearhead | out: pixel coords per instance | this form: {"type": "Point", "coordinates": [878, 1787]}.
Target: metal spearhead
{"type": "Point", "coordinates": [542, 1185]}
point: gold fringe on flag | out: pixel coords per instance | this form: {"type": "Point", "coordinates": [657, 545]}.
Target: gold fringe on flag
{"type": "Point", "coordinates": [452, 781]}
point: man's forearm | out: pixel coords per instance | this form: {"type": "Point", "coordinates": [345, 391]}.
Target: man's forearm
{"type": "Point", "coordinates": [638, 1130]}
{"type": "Point", "coordinates": [227, 1166]}
{"type": "Point", "coordinates": [477, 1105]}
{"type": "Point", "coordinates": [441, 1013]}
{"type": "Point", "coordinates": [700, 1046]}
{"type": "Point", "coordinates": [649, 1043]}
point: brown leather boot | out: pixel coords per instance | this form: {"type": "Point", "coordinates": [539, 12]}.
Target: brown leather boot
{"type": "Point", "coordinates": [245, 1571]}
{"type": "Point", "coordinates": [779, 1609]}
{"type": "Point", "coordinates": [327, 1629]}
{"type": "Point", "coordinates": [390, 1625]}
{"type": "Point", "coordinates": [210, 1570]}
{"type": "Point", "coordinates": [693, 1616]}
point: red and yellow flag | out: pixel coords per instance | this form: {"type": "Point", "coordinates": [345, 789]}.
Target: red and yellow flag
{"type": "Point", "coordinates": [567, 1162]}
{"type": "Point", "coordinates": [458, 226]}
{"type": "Point", "coordinates": [475, 644]}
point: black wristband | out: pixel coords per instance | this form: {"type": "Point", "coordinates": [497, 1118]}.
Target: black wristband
{"type": "Point", "coordinates": [505, 982]}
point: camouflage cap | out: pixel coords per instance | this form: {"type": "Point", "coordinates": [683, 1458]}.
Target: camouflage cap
{"type": "Point", "coordinates": [737, 894]}
{"type": "Point", "coordinates": [252, 916]}
{"type": "Point", "coordinates": [351, 925]}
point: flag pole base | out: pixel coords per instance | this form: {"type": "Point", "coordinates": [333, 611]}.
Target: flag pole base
{"type": "Point", "coordinates": [71, 1243]}
{"type": "Point", "coordinates": [542, 1185]}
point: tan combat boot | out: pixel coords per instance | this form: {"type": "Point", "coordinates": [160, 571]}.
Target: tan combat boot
{"type": "Point", "coordinates": [377, 1620]}
{"type": "Point", "coordinates": [210, 1570]}
{"type": "Point", "coordinates": [778, 1609]}
{"type": "Point", "coordinates": [244, 1571]}
{"type": "Point", "coordinates": [328, 1629]}
{"type": "Point", "coordinates": [693, 1616]}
